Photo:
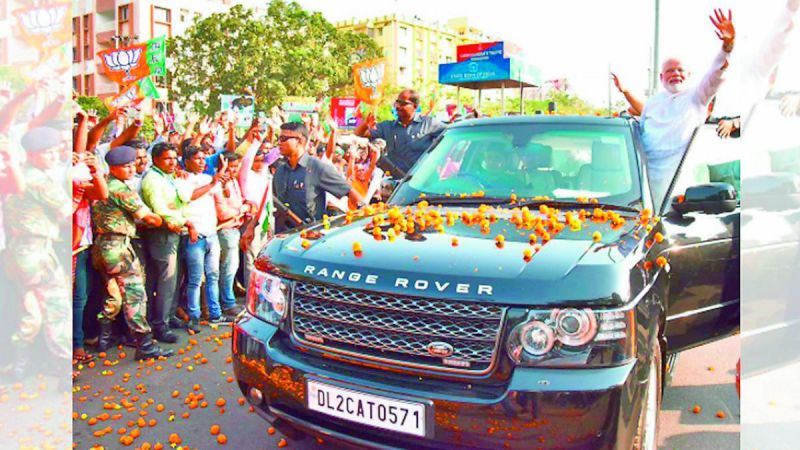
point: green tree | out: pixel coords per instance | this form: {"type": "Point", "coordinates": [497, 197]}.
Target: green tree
{"type": "Point", "coordinates": [94, 103]}
{"type": "Point", "coordinates": [286, 52]}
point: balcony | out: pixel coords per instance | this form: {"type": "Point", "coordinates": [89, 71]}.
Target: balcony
{"type": "Point", "coordinates": [104, 37]}
{"type": "Point", "coordinates": [104, 5]}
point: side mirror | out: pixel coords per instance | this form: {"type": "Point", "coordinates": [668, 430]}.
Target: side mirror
{"type": "Point", "coordinates": [710, 198]}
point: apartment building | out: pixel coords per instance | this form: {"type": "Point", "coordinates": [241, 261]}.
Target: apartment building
{"type": "Point", "coordinates": [414, 48]}
{"type": "Point", "coordinates": [103, 24]}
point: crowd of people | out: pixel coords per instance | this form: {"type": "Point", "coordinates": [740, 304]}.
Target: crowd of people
{"type": "Point", "coordinates": [172, 224]}
{"type": "Point", "coordinates": [166, 228]}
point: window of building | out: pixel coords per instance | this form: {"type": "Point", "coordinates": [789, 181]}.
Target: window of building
{"type": "Point", "coordinates": [88, 84]}
{"type": "Point", "coordinates": [76, 39]}
{"type": "Point", "coordinates": [371, 32]}
{"type": "Point", "coordinates": [380, 32]}
{"type": "Point", "coordinates": [162, 22]}
{"type": "Point", "coordinates": [76, 84]}
{"type": "Point", "coordinates": [184, 15]}
{"type": "Point", "coordinates": [125, 20]}
{"type": "Point", "coordinates": [403, 52]}
{"type": "Point", "coordinates": [403, 32]}
{"type": "Point", "coordinates": [88, 41]}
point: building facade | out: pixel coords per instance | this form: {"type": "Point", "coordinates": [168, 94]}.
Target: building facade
{"type": "Point", "coordinates": [413, 48]}
{"type": "Point", "coordinates": [103, 24]}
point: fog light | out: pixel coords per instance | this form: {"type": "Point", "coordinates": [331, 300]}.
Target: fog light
{"type": "Point", "coordinates": [256, 397]}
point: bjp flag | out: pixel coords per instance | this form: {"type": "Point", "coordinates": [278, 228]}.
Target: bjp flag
{"type": "Point", "coordinates": [129, 96]}
{"type": "Point", "coordinates": [370, 80]}
{"type": "Point", "coordinates": [45, 26]}
{"type": "Point", "coordinates": [125, 65]}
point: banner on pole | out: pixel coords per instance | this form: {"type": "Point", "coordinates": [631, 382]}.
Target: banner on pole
{"type": "Point", "coordinates": [370, 80]}
{"type": "Point", "coordinates": [243, 105]}
{"type": "Point", "coordinates": [125, 65]}
{"type": "Point", "coordinates": [129, 96]}
{"type": "Point", "coordinates": [157, 56]}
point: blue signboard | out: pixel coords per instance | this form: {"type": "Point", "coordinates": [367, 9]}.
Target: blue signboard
{"type": "Point", "coordinates": [489, 68]}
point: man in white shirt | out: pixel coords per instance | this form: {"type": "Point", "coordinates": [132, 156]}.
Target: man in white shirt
{"type": "Point", "coordinates": [670, 117]}
{"type": "Point", "coordinates": [202, 253]}
{"type": "Point", "coordinates": [256, 182]}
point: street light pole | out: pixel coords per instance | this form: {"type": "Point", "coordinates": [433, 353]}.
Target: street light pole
{"type": "Point", "coordinates": [656, 71]}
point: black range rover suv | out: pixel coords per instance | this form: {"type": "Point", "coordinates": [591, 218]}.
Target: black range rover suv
{"type": "Point", "coordinates": [517, 291]}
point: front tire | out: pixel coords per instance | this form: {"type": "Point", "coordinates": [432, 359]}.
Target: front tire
{"type": "Point", "coordinates": [647, 433]}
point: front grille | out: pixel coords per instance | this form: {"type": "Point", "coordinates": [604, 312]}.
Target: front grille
{"type": "Point", "coordinates": [396, 329]}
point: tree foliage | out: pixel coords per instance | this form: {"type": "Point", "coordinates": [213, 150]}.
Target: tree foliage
{"type": "Point", "coordinates": [286, 52]}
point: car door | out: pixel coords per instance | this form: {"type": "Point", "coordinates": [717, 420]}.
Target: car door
{"type": "Point", "coordinates": [703, 251]}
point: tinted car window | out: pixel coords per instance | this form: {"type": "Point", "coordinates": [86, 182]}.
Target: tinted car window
{"type": "Point", "coordinates": [560, 161]}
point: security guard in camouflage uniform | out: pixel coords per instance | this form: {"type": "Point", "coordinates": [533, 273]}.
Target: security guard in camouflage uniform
{"type": "Point", "coordinates": [114, 256]}
{"type": "Point", "coordinates": [32, 219]}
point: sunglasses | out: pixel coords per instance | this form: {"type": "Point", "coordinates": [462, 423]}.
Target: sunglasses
{"type": "Point", "coordinates": [286, 138]}
{"type": "Point", "coordinates": [403, 102]}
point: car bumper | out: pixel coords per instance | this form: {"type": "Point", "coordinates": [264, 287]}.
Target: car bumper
{"type": "Point", "coordinates": [534, 408]}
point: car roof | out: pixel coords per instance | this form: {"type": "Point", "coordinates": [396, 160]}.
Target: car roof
{"type": "Point", "coordinates": [544, 119]}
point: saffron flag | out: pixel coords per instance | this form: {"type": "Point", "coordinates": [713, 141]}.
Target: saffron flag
{"type": "Point", "coordinates": [125, 65]}
{"type": "Point", "coordinates": [370, 80]}
{"type": "Point", "coordinates": [129, 96]}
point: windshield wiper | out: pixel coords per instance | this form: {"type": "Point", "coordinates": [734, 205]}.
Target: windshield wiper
{"type": "Point", "coordinates": [458, 200]}
{"type": "Point", "coordinates": [568, 204]}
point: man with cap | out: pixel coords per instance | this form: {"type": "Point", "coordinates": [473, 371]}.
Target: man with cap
{"type": "Point", "coordinates": [114, 256]}
{"type": "Point", "coordinates": [32, 221]}
{"type": "Point", "coordinates": [301, 181]}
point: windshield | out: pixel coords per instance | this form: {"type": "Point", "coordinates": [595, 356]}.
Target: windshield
{"type": "Point", "coordinates": [559, 161]}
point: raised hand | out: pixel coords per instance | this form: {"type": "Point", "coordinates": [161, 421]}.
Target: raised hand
{"type": "Point", "coordinates": [205, 125]}
{"type": "Point", "coordinates": [790, 105]}
{"type": "Point", "coordinates": [158, 124]}
{"type": "Point", "coordinates": [91, 162]}
{"type": "Point", "coordinates": [617, 83]}
{"type": "Point", "coordinates": [371, 121]}
{"type": "Point", "coordinates": [223, 164]}
{"type": "Point", "coordinates": [724, 128]}
{"type": "Point", "coordinates": [724, 27]}
{"type": "Point", "coordinates": [192, 117]}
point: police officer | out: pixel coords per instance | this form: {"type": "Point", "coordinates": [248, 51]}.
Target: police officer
{"type": "Point", "coordinates": [301, 180]}
{"type": "Point", "coordinates": [114, 256]}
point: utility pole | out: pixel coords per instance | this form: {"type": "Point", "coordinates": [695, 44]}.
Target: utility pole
{"type": "Point", "coordinates": [608, 78]}
{"type": "Point", "coordinates": [656, 70]}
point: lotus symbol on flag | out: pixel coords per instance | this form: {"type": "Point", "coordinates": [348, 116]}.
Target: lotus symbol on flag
{"type": "Point", "coordinates": [124, 59]}
{"type": "Point", "coordinates": [372, 77]}
{"type": "Point", "coordinates": [45, 20]}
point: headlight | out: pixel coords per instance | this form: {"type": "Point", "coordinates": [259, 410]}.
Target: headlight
{"type": "Point", "coordinates": [571, 337]}
{"type": "Point", "coordinates": [268, 296]}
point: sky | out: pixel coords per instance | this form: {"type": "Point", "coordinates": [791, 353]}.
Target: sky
{"type": "Point", "coordinates": [581, 39]}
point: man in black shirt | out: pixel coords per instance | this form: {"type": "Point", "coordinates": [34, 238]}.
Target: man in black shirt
{"type": "Point", "coordinates": [301, 180]}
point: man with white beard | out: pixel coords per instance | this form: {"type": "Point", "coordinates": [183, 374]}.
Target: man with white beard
{"type": "Point", "coordinates": [670, 117]}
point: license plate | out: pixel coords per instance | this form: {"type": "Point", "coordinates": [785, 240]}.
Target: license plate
{"type": "Point", "coordinates": [367, 409]}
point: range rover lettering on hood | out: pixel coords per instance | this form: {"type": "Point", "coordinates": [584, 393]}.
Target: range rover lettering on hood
{"type": "Point", "coordinates": [419, 284]}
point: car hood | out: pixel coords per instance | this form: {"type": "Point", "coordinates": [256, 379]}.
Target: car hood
{"type": "Point", "coordinates": [571, 269]}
